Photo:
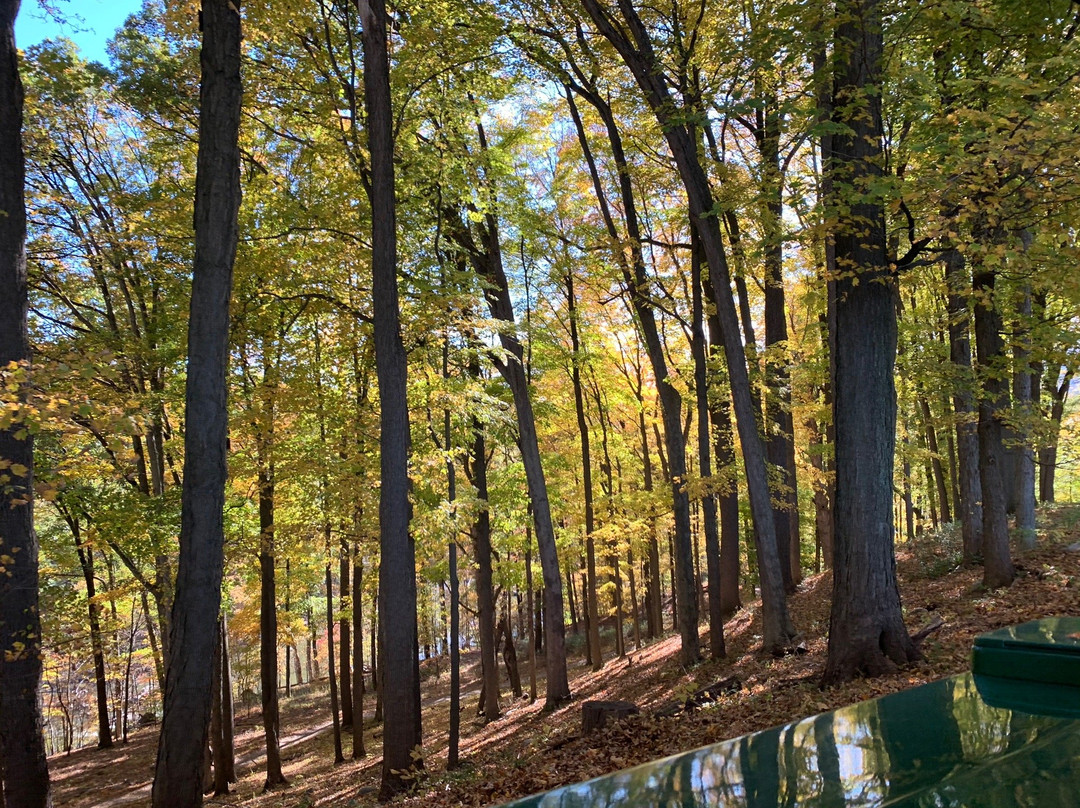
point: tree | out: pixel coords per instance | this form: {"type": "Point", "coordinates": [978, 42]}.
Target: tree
{"type": "Point", "coordinates": [24, 775]}
{"type": "Point", "coordinates": [397, 569]}
{"type": "Point", "coordinates": [866, 626]}
{"type": "Point", "coordinates": [181, 755]}
{"type": "Point", "coordinates": [627, 33]}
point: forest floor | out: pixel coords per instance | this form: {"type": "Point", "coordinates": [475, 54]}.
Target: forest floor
{"type": "Point", "coordinates": [529, 750]}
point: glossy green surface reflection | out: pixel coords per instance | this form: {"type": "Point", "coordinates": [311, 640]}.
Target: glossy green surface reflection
{"type": "Point", "coordinates": [939, 746]}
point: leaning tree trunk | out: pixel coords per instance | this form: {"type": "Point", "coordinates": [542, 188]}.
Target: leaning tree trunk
{"type": "Point", "coordinates": [181, 749]}
{"type": "Point", "coordinates": [25, 776]}
{"type": "Point", "coordinates": [486, 259]}
{"type": "Point", "coordinates": [636, 49]}
{"type": "Point", "coordinates": [636, 283]}
{"type": "Point", "coordinates": [397, 569]}
{"type": "Point", "coordinates": [866, 629]}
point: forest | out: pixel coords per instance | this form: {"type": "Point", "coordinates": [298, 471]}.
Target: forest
{"type": "Point", "coordinates": [343, 341]}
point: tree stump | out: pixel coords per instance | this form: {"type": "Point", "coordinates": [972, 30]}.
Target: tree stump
{"type": "Point", "coordinates": [597, 714]}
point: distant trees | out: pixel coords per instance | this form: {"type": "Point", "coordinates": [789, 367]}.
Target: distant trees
{"type": "Point", "coordinates": [727, 221]}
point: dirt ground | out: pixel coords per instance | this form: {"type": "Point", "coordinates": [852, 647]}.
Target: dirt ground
{"type": "Point", "coordinates": [528, 750]}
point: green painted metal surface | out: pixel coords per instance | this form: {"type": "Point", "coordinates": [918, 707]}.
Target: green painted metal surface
{"type": "Point", "coordinates": [1046, 650]}
{"type": "Point", "coordinates": [936, 746]}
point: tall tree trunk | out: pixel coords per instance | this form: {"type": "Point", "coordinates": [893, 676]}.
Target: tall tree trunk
{"type": "Point", "coordinates": [481, 541]}
{"type": "Point", "coordinates": [181, 749]}
{"type": "Point", "coordinates": [720, 415]}
{"type": "Point", "coordinates": [970, 507]}
{"type": "Point", "coordinates": [704, 435]}
{"type": "Point", "coordinates": [1025, 394]}
{"type": "Point", "coordinates": [24, 776]}
{"type": "Point", "coordinates": [402, 734]}
{"type": "Point", "coordinates": [228, 725]}
{"type": "Point", "coordinates": [486, 258]}
{"type": "Point", "coordinates": [998, 568]}
{"type": "Point", "coordinates": [344, 640]}
{"type": "Point", "coordinates": [86, 562]}
{"type": "Point", "coordinates": [780, 441]}
{"type": "Point", "coordinates": [358, 750]}
{"type": "Point", "coordinates": [1058, 388]}
{"type": "Point", "coordinates": [638, 54]}
{"type": "Point", "coordinates": [529, 607]}
{"type": "Point", "coordinates": [452, 761]}
{"type": "Point", "coordinates": [288, 612]}
{"type": "Point", "coordinates": [595, 655]}
{"type": "Point", "coordinates": [218, 750]}
{"type": "Point", "coordinates": [268, 658]}
{"type": "Point", "coordinates": [636, 283]}
{"type": "Point", "coordinates": [866, 628]}
{"type": "Point", "coordinates": [339, 756]}
{"type": "Point", "coordinates": [936, 467]}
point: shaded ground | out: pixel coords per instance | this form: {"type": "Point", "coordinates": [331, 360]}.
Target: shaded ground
{"type": "Point", "coordinates": [527, 750]}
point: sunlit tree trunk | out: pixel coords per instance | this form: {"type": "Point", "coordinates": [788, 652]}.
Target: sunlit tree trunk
{"type": "Point", "coordinates": [866, 628]}
{"type": "Point", "coordinates": [182, 746]}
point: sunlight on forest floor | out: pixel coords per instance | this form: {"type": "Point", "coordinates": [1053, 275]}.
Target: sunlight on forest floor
{"type": "Point", "coordinates": [527, 750]}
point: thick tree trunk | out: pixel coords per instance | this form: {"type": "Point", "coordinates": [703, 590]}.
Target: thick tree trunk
{"type": "Point", "coordinates": [866, 629]}
{"type": "Point", "coordinates": [402, 734]}
{"type": "Point", "coordinates": [24, 774]}
{"type": "Point", "coordinates": [181, 748]}
{"type": "Point", "coordinates": [998, 568]}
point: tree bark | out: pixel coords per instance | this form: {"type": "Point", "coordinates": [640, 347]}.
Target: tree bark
{"type": "Point", "coordinates": [486, 258]}
{"type": "Point", "coordinates": [339, 756]}
{"type": "Point", "coordinates": [704, 436]}
{"type": "Point", "coordinates": [998, 568]}
{"type": "Point", "coordinates": [866, 629]}
{"type": "Point", "coordinates": [402, 735]}
{"type": "Point", "coordinates": [970, 506]}
{"type": "Point", "coordinates": [268, 657]}
{"type": "Point", "coordinates": [638, 54]}
{"type": "Point", "coordinates": [636, 284]}
{"type": "Point", "coordinates": [358, 750]}
{"type": "Point", "coordinates": [24, 777]}
{"type": "Point", "coordinates": [595, 655]}
{"type": "Point", "coordinates": [86, 562]}
{"type": "Point", "coordinates": [181, 748]}
{"type": "Point", "coordinates": [481, 540]}
{"type": "Point", "coordinates": [344, 640]}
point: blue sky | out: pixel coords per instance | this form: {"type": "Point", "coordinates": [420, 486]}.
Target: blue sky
{"type": "Point", "coordinates": [89, 23]}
